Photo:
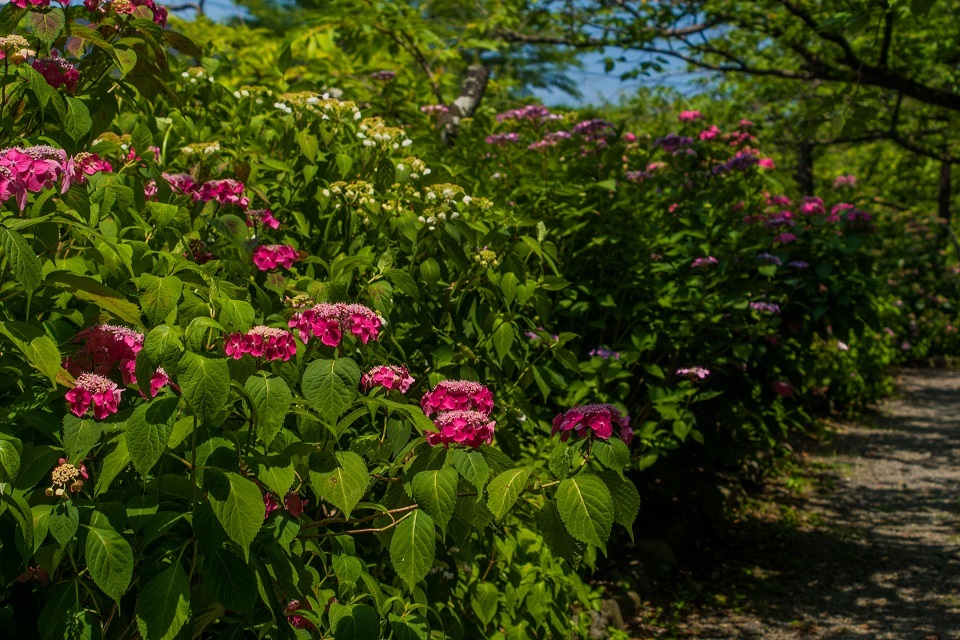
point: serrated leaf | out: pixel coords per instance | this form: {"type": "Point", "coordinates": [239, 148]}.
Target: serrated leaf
{"type": "Point", "coordinates": [63, 524]}
{"type": "Point", "coordinates": [22, 260]}
{"type": "Point", "coordinates": [359, 622]}
{"type": "Point", "coordinates": [560, 459]}
{"type": "Point", "coordinates": [473, 467]}
{"type": "Point", "coordinates": [38, 348]}
{"type": "Point", "coordinates": [503, 337]}
{"type": "Point", "coordinates": [89, 290]}
{"type": "Point", "coordinates": [556, 537]}
{"type": "Point", "coordinates": [164, 604]}
{"type": "Point", "coordinates": [430, 272]}
{"type": "Point", "coordinates": [330, 386]}
{"type": "Point", "coordinates": [204, 383]}
{"type": "Point", "coordinates": [272, 399]}
{"type": "Point", "coordinates": [413, 547]}
{"type": "Point", "coordinates": [341, 479]}
{"type": "Point", "coordinates": [409, 627]}
{"type": "Point", "coordinates": [485, 602]}
{"type": "Point", "coordinates": [47, 25]}
{"type": "Point", "coordinates": [276, 473]}
{"type": "Point", "coordinates": [113, 463]}
{"type": "Point", "coordinates": [78, 121]}
{"type": "Point", "coordinates": [613, 454]}
{"type": "Point", "coordinates": [109, 560]}
{"type": "Point", "coordinates": [626, 499]}
{"type": "Point", "coordinates": [586, 508]}
{"type": "Point", "coordinates": [436, 493]}
{"type": "Point", "coordinates": [504, 490]}
{"type": "Point", "coordinates": [159, 296]}
{"type": "Point", "coordinates": [148, 431]}
{"type": "Point", "coordinates": [236, 315]}
{"type": "Point", "coordinates": [162, 347]}
{"type": "Point", "coordinates": [230, 580]}
{"type": "Point", "coordinates": [80, 435]}
{"type": "Point", "coordinates": [237, 503]}
{"type": "Point", "coordinates": [10, 450]}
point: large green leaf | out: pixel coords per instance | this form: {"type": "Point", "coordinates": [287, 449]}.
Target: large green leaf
{"type": "Point", "coordinates": [114, 462]}
{"type": "Point", "coordinates": [358, 622]}
{"type": "Point", "coordinates": [413, 547]}
{"type": "Point", "coordinates": [612, 454]}
{"type": "Point", "coordinates": [271, 398]}
{"type": "Point", "coordinates": [22, 260]}
{"type": "Point", "coordinates": [23, 514]}
{"type": "Point", "coordinates": [409, 627]}
{"type": "Point", "coordinates": [47, 25]}
{"type": "Point", "coordinates": [341, 479]}
{"type": "Point", "coordinates": [436, 493]}
{"type": "Point", "coordinates": [237, 503]}
{"type": "Point", "coordinates": [330, 386]}
{"type": "Point", "coordinates": [159, 296]}
{"type": "Point", "coordinates": [10, 450]}
{"type": "Point", "coordinates": [230, 580]}
{"type": "Point", "coordinates": [164, 604]}
{"type": "Point", "coordinates": [276, 472]}
{"type": "Point", "coordinates": [80, 435]}
{"type": "Point", "coordinates": [504, 490]}
{"type": "Point", "coordinates": [473, 467]}
{"type": "Point", "coordinates": [162, 347]}
{"type": "Point", "coordinates": [626, 499]}
{"type": "Point", "coordinates": [205, 384]}
{"type": "Point", "coordinates": [109, 561]}
{"type": "Point", "coordinates": [148, 430]}
{"type": "Point", "coordinates": [39, 350]}
{"type": "Point", "coordinates": [89, 290]}
{"type": "Point", "coordinates": [503, 337]}
{"type": "Point", "coordinates": [556, 537]}
{"type": "Point", "coordinates": [485, 602]}
{"type": "Point", "coordinates": [586, 508]}
{"type": "Point", "coordinates": [236, 315]}
{"type": "Point", "coordinates": [64, 523]}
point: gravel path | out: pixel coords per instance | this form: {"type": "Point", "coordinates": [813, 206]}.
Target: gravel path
{"type": "Point", "coordinates": [873, 552]}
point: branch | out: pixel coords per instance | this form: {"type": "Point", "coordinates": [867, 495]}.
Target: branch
{"type": "Point", "coordinates": [887, 37]}
{"type": "Point", "coordinates": [471, 92]}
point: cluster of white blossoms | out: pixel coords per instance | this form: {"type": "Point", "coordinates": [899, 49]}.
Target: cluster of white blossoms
{"type": "Point", "coordinates": [358, 192]}
{"type": "Point", "coordinates": [375, 132]}
{"type": "Point", "coordinates": [415, 166]}
{"type": "Point", "coordinates": [200, 148]}
{"type": "Point", "coordinates": [257, 93]}
{"type": "Point", "coordinates": [196, 74]}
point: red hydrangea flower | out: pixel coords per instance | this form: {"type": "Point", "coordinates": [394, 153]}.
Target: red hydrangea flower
{"type": "Point", "coordinates": [226, 191]}
{"type": "Point", "coordinates": [159, 380]}
{"type": "Point", "coordinates": [270, 256]}
{"type": "Point", "coordinates": [469, 428]}
{"type": "Point", "coordinates": [82, 165]}
{"type": "Point", "coordinates": [157, 13]}
{"type": "Point", "coordinates": [183, 183]}
{"type": "Point", "coordinates": [29, 170]}
{"type": "Point", "coordinates": [388, 377]}
{"type": "Point", "coordinates": [329, 321]}
{"type": "Point", "coordinates": [58, 72]}
{"type": "Point", "coordinates": [261, 342]}
{"type": "Point", "coordinates": [458, 395]}
{"type": "Point", "coordinates": [294, 504]}
{"type": "Point", "coordinates": [812, 206]}
{"type": "Point", "coordinates": [598, 420]}
{"type": "Point", "coordinates": [24, 3]}
{"type": "Point", "coordinates": [262, 216]}
{"type": "Point", "coordinates": [269, 504]}
{"type": "Point", "coordinates": [782, 388]}
{"type": "Point", "coordinates": [298, 622]}
{"type": "Point", "coordinates": [95, 390]}
{"type": "Point", "coordinates": [104, 346]}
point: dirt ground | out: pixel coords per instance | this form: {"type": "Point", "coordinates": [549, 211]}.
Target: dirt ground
{"type": "Point", "coordinates": [863, 542]}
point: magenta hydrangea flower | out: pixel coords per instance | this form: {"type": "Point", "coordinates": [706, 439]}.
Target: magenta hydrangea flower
{"type": "Point", "coordinates": [98, 391]}
{"type": "Point", "coordinates": [694, 372]}
{"type": "Point", "coordinates": [597, 420]}
{"type": "Point", "coordinates": [467, 428]}
{"type": "Point", "coordinates": [393, 377]}
{"type": "Point", "coordinates": [782, 388]}
{"type": "Point", "coordinates": [689, 116]}
{"type": "Point", "coordinates": [26, 170]}
{"type": "Point", "coordinates": [298, 622]}
{"type": "Point", "coordinates": [105, 345]}
{"type": "Point", "coordinates": [23, 4]}
{"type": "Point", "coordinates": [159, 380]}
{"type": "Point", "coordinates": [329, 321]}
{"type": "Point", "coordinates": [226, 191]}
{"type": "Point", "coordinates": [766, 307]}
{"type": "Point", "coordinates": [261, 342]}
{"type": "Point", "coordinates": [501, 139]}
{"type": "Point", "coordinates": [812, 206]}
{"type": "Point", "coordinates": [785, 238]}
{"type": "Point", "coordinates": [271, 256]}
{"type": "Point", "coordinates": [58, 72]}
{"type": "Point", "coordinates": [848, 181]}
{"type": "Point", "coordinates": [182, 182]}
{"type": "Point", "coordinates": [77, 168]}
{"type": "Point", "coordinates": [262, 216]}
{"type": "Point", "coordinates": [457, 395]}
{"type": "Point", "coordinates": [709, 261]}
{"type": "Point", "coordinates": [531, 113]}
{"type": "Point", "coordinates": [710, 132]}
{"type": "Point", "coordinates": [433, 109]}
{"type": "Point", "coordinates": [131, 7]}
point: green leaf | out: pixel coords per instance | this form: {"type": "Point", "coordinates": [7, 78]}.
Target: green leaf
{"type": "Point", "coordinates": [39, 350]}
{"type": "Point", "coordinates": [109, 561]}
{"type": "Point", "coordinates": [63, 525]}
{"type": "Point", "coordinates": [920, 8]}
{"type": "Point", "coordinates": [504, 490]}
{"type": "Point", "coordinates": [182, 43]}
{"type": "Point", "coordinates": [148, 431]}
{"type": "Point", "coordinates": [409, 627]}
{"type": "Point", "coordinates": [162, 347]}
{"type": "Point", "coordinates": [204, 383]}
{"type": "Point", "coordinates": [360, 622]}
{"type": "Point", "coordinates": [586, 508]}
{"type": "Point", "coordinates": [556, 537]}
{"type": "Point", "coordinates": [503, 337]}
{"type": "Point", "coordinates": [89, 290]}
{"type": "Point", "coordinates": [560, 459]}
{"type": "Point", "coordinates": [78, 121]}
{"type": "Point", "coordinates": [164, 604]}
{"type": "Point", "coordinates": [237, 503]}
{"type": "Point", "coordinates": [10, 450]}
{"type": "Point", "coordinates": [80, 435]}
{"type": "Point", "coordinates": [613, 454]}
{"type": "Point", "coordinates": [330, 386]}
{"type": "Point", "coordinates": [473, 467]}
{"type": "Point", "coordinates": [485, 601]}
{"type": "Point", "coordinates": [271, 398]}
{"type": "Point", "coordinates": [341, 479]}
{"type": "Point", "coordinates": [47, 25]}
{"type": "Point", "coordinates": [22, 513]}
{"type": "Point", "coordinates": [113, 463]}
{"type": "Point", "coordinates": [230, 580]}
{"type": "Point", "coordinates": [159, 296]}
{"type": "Point", "coordinates": [413, 547]}
{"type": "Point", "coordinates": [626, 499]}
{"type": "Point", "coordinates": [436, 493]}
{"type": "Point", "coordinates": [430, 272]}
{"type": "Point", "coordinates": [275, 472]}
{"type": "Point", "coordinates": [22, 260]}
{"type": "Point", "coordinates": [236, 315]}
{"type": "Point", "coordinates": [41, 90]}
{"type": "Point", "coordinates": [404, 282]}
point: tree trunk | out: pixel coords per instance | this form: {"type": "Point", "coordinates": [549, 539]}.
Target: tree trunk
{"type": "Point", "coordinates": [471, 92]}
{"type": "Point", "coordinates": [805, 168]}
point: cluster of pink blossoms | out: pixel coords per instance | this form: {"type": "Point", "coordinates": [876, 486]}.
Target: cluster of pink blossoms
{"type": "Point", "coordinates": [130, 7]}
{"type": "Point", "coordinates": [58, 72]}
{"type": "Point", "coordinates": [292, 502]}
{"type": "Point", "coordinates": [257, 217]}
{"type": "Point", "coordinates": [463, 412]}
{"type": "Point", "coordinates": [226, 191]}
{"type": "Point", "coordinates": [709, 261]}
{"type": "Point", "coordinates": [261, 342]}
{"type": "Point", "coordinates": [92, 389]}
{"type": "Point", "coordinates": [271, 256]}
{"type": "Point", "coordinates": [388, 376]}
{"type": "Point", "coordinates": [25, 170]}
{"type": "Point", "coordinates": [694, 372]}
{"type": "Point", "coordinates": [328, 322]}
{"type": "Point", "coordinates": [298, 622]}
{"type": "Point", "coordinates": [593, 419]}
{"type": "Point", "coordinates": [689, 116]}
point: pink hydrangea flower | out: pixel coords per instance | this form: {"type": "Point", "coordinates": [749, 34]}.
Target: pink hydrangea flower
{"type": "Point", "coordinates": [77, 168]}
{"type": "Point", "coordinates": [785, 238]}
{"type": "Point", "coordinates": [393, 377]}
{"type": "Point", "coordinates": [226, 191]}
{"type": "Point", "coordinates": [329, 321]}
{"type": "Point", "coordinates": [105, 345]}
{"type": "Point", "coordinates": [182, 182]}
{"type": "Point", "coordinates": [848, 181]}
{"type": "Point", "coordinates": [710, 132]}
{"type": "Point", "coordinates": [597, 420]}
{"type": "Point", "coordinates": [501, 139]}
{"type": "Point", "coordinates": [158, 381]}
{"type": "Point", "coordinates": [26, 170]}
{"type": "Point", "coordinates": [262, 216]}
{"type": "Point", "coordinates": [689, 116]}
{"type": "Point", "coordinates": [766, 163]}
{"type": "Point", "coordinates": [812, 206]}
{"type": "Point", "coordinates": [468, 428]}
{"type": "Point", "coordinates": [159, 13]}
{"type": "Point", "coordinates": [458, 395]}
{"type": "Point", "coordinates": [261, 342]}
{"type": "Point", "coordinates": [58, 72]}
{"type": "Point", "coordinates": [270, 256]}
{"type": "Point", "coordinates": [270, 504]}
{"type": "Point", "coordinates": [694, 372]}
{"type": "Point", "coordinates": [765, 307]}
{"type": "Point", "coordinates": [703, 262]}
{"type": "Point", "coordinates": [782, 388]}
{"type": "Point", "coordinates": [98, 391]}
{"type": "Point", "coordinates": [298, 622]}
{"type": "Point", "coordinates": [433, 109]}
{"type": "Point", "coordinates": [23, 4]}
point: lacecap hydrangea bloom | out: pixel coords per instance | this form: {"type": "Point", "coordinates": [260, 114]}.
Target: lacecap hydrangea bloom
{"type": "Point", "coordinates": [271, 256]}
{"type": "Point", "coordinates": [328, 322]}
{"type": "Point", "coordinates": [597, 420]}
{"type": "Point", "coordinates": [694, 372]}
{"type": "Point", "coordinates": [97, 391]}
{"type": "Point", "coordinates": [393, 377]}
{"type": "Point", "coordinates": [469, 428]}
{"type": "Point", "coordinates": [457, 395]}
{"type": "Point", "coordinates": [261, 342]}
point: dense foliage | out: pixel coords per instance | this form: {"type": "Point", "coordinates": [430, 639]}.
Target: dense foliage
{"type": "Point", "coordinates": [278, 363]}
